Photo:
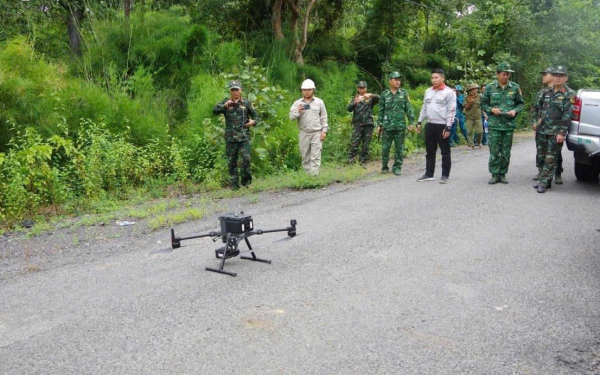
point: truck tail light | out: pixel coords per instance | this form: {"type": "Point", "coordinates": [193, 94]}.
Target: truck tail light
{"type": "Point", "coordinates": [577, 111]}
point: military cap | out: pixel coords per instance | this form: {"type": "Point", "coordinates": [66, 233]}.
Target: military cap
{"type": "Point", "coordinates": [472, 86]}
{"type": "Point", "coordinates": [504, 67]}
{"type": "Point", "coordinates": [548, 70]}
{"type": "Point", "coordinates": [458, 87]}
{"type": "Point", "coordinates": [234, 85]}
{"type": "Point", "coordinates": [394, 74]}
{"type": "Point", "coordinates": [361, 84]}
{"type": "Point", "coordinates": [560, 70]}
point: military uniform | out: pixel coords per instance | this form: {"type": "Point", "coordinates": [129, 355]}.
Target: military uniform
{"type": "Point", "coordinates": [237, 136]}
{"type": "Point", "coordinates": [501, 127]}
{"type": "Point", "coordinates": [362, 120]}
{"type": "Point", "coordinates": [393, 111]}
{"type": "Point", "coordinates": [538, 108]}
{"type": "Point", "coordinates": [556, 109]}
{"type": "Point", "coordinates": [473, 115]}
{"type": "Point", "coordinates": [459, 119]}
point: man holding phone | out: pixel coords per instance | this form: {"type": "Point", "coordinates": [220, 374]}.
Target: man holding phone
{"type": "Point", "coordinates": [311, 115]}
{"type": "Point", "coordinates": [240, 115]}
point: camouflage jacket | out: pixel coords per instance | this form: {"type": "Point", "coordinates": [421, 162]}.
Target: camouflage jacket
{"type": "Point", "coordinates": [506, 99]}
{"type": "Point", "coordinates": [394, 109]}
{"type": "Point", "coordinates": [555, 110]}
{"type": "Point", "coordinates": [539, 106]}
{"type": "Point", "coordinates": [235, 118]}
{"type": "Point", "coordinates": [363, 110]}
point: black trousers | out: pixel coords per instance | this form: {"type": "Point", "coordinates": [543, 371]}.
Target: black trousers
{"type": "Point", "coordinates": [434, 136]}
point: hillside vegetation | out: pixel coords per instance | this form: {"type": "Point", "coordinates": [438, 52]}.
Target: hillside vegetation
{"type": "Point", "coordinates": [105, 100]}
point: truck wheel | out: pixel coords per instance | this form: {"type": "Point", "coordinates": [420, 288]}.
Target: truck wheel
{"type": "Point", "coordinates": [585, 172]}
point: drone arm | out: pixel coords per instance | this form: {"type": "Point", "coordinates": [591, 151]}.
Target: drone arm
{"type": "Point", "coordinates": [291, 229]}
{"type": "Point", "coordinates": [210, 234]}
{"type": "Point", "coordinates": [176, 241]}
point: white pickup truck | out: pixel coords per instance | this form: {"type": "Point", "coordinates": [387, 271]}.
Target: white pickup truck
{"type": "Point", "coordinates": [584, 135]}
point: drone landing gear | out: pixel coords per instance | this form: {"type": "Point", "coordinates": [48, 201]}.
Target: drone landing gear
{"type": "Point", "coordinates": [253, 258]}
{"type": "Point", "coordinates": [231, 250]}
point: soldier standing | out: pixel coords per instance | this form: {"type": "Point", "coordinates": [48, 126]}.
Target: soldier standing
{"type": "Point", "coordinates": [362, 119]}
{"type": "Point", "coordinates": [553, 123]}
{"type": "Point", "coordinates": [240, 115]}
{"type": "Point", "coordinates": [547, 81]}
{"type": "Point", "coordinates": [502, 101]}
{"type": "Point", "coordinates": [394, 108]}
{"type": "Point", "coordinates": [459, 118]}
{"type": "Point", "coordinates": [473, 115]}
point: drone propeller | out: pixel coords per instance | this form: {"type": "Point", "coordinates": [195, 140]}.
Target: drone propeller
{"type": "Point", "coordinates": [166, 250]}
{"type": "Point", "coordinates": [286, 238]}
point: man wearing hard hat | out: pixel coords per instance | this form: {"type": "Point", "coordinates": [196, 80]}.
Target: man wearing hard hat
{"type": "Point", "coordinates": [311, 115]}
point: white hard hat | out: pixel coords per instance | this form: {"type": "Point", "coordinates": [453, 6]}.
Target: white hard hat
{"type": "Point", "coordinates": [307, 84]}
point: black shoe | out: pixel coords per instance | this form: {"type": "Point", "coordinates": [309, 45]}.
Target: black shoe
{"type": "Point", "coordinates": [425, 178]}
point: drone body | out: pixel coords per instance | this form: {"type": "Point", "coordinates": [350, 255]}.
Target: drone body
{"type": "Point", "coordinates": [234, 229]}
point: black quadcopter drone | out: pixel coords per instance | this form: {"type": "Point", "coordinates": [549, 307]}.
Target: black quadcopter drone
{"type": "Point", "coordinates": [234, 229]}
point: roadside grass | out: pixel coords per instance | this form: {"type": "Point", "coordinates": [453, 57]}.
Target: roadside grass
{"type": "Point", "coordinates": [166, 205]}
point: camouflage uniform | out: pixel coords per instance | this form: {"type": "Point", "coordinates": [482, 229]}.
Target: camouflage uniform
{"type": "Point", "coordinates": [362, 119]}
{"type": "Point", "coordinates": [555, 115]}
{"type": "Point", "coordinates": [393, 110]}
{"type": "Point", "coordinates": [237, 138]}
{"type": "Point", "coordinates": [538, 108]}
{"type": "Point", "coordinates": [501, 127]}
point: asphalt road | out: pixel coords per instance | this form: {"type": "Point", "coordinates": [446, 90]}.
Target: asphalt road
{"type": "Point", "coordinates": [390, 277]}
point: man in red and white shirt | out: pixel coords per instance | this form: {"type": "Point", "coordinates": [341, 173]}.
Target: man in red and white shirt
{"type": "Point", "coordinates": [439, 107]}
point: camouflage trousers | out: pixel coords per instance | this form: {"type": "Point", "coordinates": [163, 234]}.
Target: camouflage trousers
{"type": "Point", "coordinates": [362, 134]}
{"type": "Point", "coordinates": [500, 142]}
{"type": "Point", "coordinates": [539, 156]}
{"type": "Point", "coordinates": [548, 151]}
{"type": "Point", "coordinates": [242, 150]}
{"type": "Point", "coordinates": [389, 137]}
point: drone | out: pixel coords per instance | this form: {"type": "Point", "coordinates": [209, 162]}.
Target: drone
{"type": "Point", "coordinates": [234, 229]}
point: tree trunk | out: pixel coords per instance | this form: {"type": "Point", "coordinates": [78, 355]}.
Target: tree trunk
{"type": "Point", "coordinates": [127, 8]}
{"type": "Point", "coordinates": [276, 19]}
{"type": "Point", "coordinates": [74, 18]}
{"type": "Point", "coordinates": [300, 44]}
{"type": "Point", "coordinates": [295, 9]}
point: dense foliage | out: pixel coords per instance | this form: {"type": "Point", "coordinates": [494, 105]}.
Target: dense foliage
{"type": "Point", "coordinates": [96, 101]}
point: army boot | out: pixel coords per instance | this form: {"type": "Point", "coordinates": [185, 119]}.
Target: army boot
{"type": "Point", "coordinates": [494, 180]}
{"type": "Point", "coordinates": [503, 179]}
{"type": "Point", "coordinates": [558, 179]}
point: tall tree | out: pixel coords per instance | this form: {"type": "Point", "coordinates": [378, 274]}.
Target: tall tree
{"type": "Point", "coordinates": [276, 19]}
{"type": "Point", "coordinates": [300, 39]}
{"type": "Point", "coordinates": [75, 14]}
